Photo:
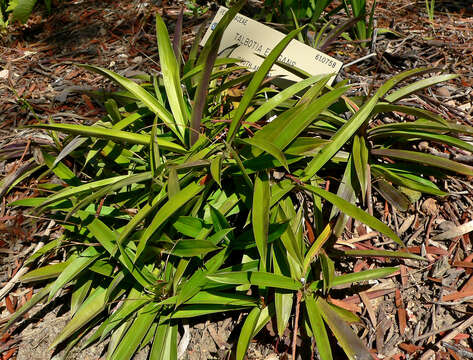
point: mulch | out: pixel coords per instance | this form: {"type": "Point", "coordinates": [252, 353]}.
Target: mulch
{"type": "Point", "coordinates": [422, 312]}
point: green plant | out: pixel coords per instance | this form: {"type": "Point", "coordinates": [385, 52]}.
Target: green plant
{"type": "Point", "coordinates": [176, 208]}
{"type": "Point", "coordinates": [18, 10]}
{"type": "Point", "coordinates": [430, 8]}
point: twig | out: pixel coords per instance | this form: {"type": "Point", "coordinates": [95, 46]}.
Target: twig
{"type": "Point", "coordinates": [458, 329]}
{"type": "Point", "coordinates": [15, 279]}
{"type": "Point", "coordinates": [296, 324]}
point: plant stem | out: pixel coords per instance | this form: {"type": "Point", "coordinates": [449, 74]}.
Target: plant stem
{"type": "Point", "coordinates": [296, 324]}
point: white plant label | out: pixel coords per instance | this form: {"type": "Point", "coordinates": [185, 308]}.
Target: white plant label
{"type": "Point", "coordinates": [251, 41]}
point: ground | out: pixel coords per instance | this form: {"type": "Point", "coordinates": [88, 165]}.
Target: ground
{"type": "Point", "coordinates": [410, 315]}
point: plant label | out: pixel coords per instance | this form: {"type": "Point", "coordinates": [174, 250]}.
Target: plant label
{"type": "Point", "coordinates": [251, 41]}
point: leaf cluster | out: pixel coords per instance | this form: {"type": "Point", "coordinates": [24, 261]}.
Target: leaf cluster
{"type": "Point", "coordinates": [201, 192]}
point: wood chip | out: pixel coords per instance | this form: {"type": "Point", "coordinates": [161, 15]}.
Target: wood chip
{"type": "Point", "coordinates": [455, 232]}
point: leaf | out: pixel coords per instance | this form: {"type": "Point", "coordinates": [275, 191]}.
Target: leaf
{"type": "Point", "coordinates": [207, 58]}
{"type": "Point", "coordinates": [246, 333]}
{"type": "Point", "coordinates": [351, 126]}
{"type": "Point", "coordinates": [318, 328]}
{"type": "Point", "coordinates": [199, 277]}
{"type": "Point", "coordinates": [288, 126]}
{"type": "Point", "coordinates": [261, 279]}
{"type": "Point", "coordinates": [382, 253]}
{"type": "Point", "coordinates": [415, 135]}
{"type": "Point", "coordinates": [70, 147]}
{"type": "Point", "coordinates": [141, 94]}
{"type": "Point", "coordinates": [189, 248]}
{"type": "Point", "coordinates": [108, 239]}
{"type": "Point", "coordinates": [363, 275]}
{"type": "Point", "coordinates": [130, 343]}
{"type": "Point", "coordinates": [81, 289]}
{"type": "Point", "coordinates": [432, 160]}
{"type": "Point", "coordinates": [360, 160]}
{"type": "Point", "coordinates": [269, 148]}
{"type": "Point", "coordinates": [410, 181]}
{"type": "Point", "coordinates": [392, 195]}
{"type": "Point", "coordinates": [355, 212]}
{"type": "Point", "coordinates": [111, 134]}
{"type": "Point", "coordinates": [282, 299]}
{"type": "Point", "coordinates": [216, 169]}
{"type": "Point", "coordinates": [23, 10]}
{"type": "Point", "coordinates": [188, 226]}
{"type": "Point", "coordinates": [154, 156]}
{"type": "Point", "coordinates": [350, 343]}
{"type": "Point", "coordinates": [46, 272]}
{"type": "Point", "coordinates": [282, 96]}
{"type": "Point", "coordinates": [260, 216]}
{"type": "Point", "coordinates": [95, 303]}
{"type": "Point", "coordinates": [74, 268]}
{"type": "Point", "coordinates": [328, 271]}
{"type": "Point", "coordinates": [61, 170]}
{"type": "Point", "coordinates": [418, 85]}
{"type": "Point", "coordinates": [166, 211]}
{"type": "Point", "coordinates": [316, 246]}
{"type": "Point", "coordinates": [255, 83]}
{"type": "Point", "coordinates": [171, 77]}
{"type": "Point", "coordinates": [131, 304]}
{"type": "Point", "coordinates": [173, 183]}
{"type": "Point", "coordinates": [165, 342]}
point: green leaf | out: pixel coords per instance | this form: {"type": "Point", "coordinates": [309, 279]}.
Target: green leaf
{"type": "Point", "coordinates": [111, 134]}
{"type": "Point", "coordinates": [189, 248]}
{"type": "Point", "coordinates": [171, 77]}
{"type": "Point", "coordinates": [360, 160]}
{"type": "Point", "coordinates": [136, 333]}
{"type": "Point", "coordinates": [154, 156]}
{"type": "Point", "coordinates": [261, 279]}
{"type": "Point", "coordinates": [392, 195]}
{"type": "Point", "coordinates": [141, 94]}
{"type": "Point", "coordinates": [95, 303]}
{"type": "Point", "coordinates": [23, 10]}
{"type": "Point", "coordinates": [165, 342]}
{"type": "Point", "coordinates": [282, 96]}
{"type": "Point", "coordinates": [166, 211]}
{"type": "Point", "coordinates": [81, 262]}
{"type": "Point", "coordinates": [418, 85]}
{"type": "Point", "coordinates": [355, 212]}
{"type": "Point", "coordinates": [328, 271]}
{"type": "Point", "coordinates": [410, 181]}
{"type": "Point", "coordinates": [318, 328]}
{"type": "Point", "coordinates": [216, 169]}
{"type": "Point", "coordinates": [256, 81]}
{"type": "Point", "coordinates": [282, 299]}
{"type": "Point", "coordinates": [188, 226]}
{"type": "Point", "coordinates": [81, 289]}
{"type": "Point", "coordinates": [364, 275]}
{"type": "Point", "coordinates": [415, 135]}
{"type": "Point", "coordinates": [428, 159]}
{"type": "Point", "coordinates": [350, 343]}
{"type": "Point", "coordinates": [46, 272]}
{"type": "Point", "coordinates": [288, 126]}
{"type": "Point", "coordinates": [199, 278]}
{"type": "Point", "coordinates": [351, 126]}
{"type": "Point", "coordinates": [246, 333]}
{"type": "Point", "coordinates": [269, 148]}
{"type": "Point", "coordinates": [316, 246]}
{"type": "Point", "coordinates": [260, 216]}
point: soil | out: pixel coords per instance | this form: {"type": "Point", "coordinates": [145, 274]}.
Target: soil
{"type": "Point", "coordinates": [424, 312]}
